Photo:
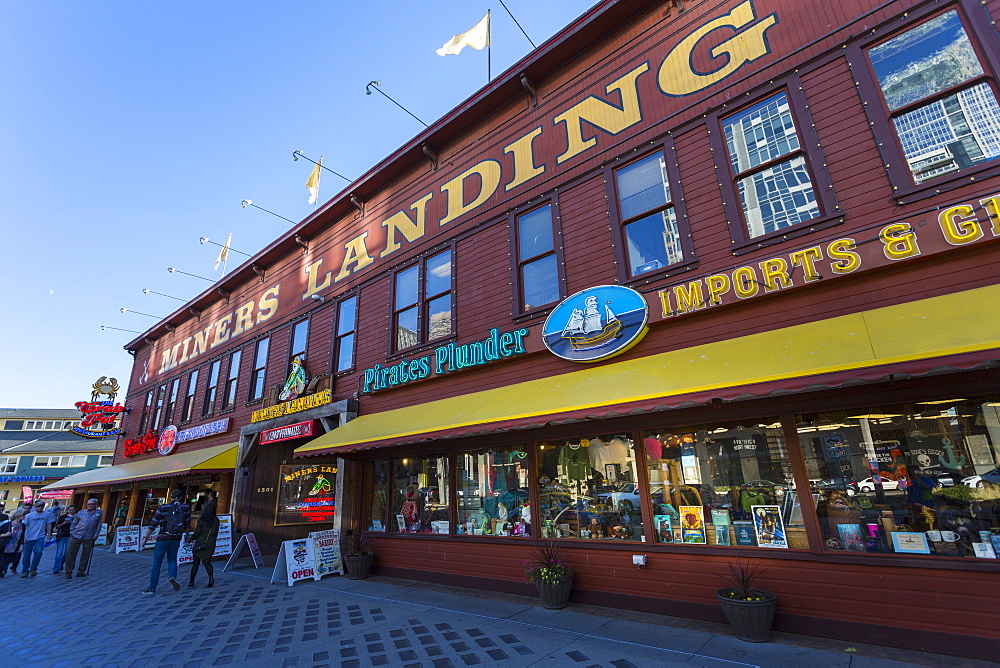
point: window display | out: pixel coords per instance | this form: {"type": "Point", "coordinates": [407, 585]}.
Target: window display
{"type": "Point", "coordinates": [587, 489]}
{"type": "Point", "coordinates": [493, 492]}
{"type": "Point", "coordinates": [913, 479]}
{"type": "Point", "coordinates": [420, 495]}
{"type": "Point", "coordinates": [378, 504]}
{"type": "Point", "coordinates": [723, 485]}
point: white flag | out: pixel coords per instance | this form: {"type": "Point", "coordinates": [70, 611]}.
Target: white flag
{"type": "Point", "coordinates": [477, 37]}
{"type": "Point", "coordinates": [224, 253]}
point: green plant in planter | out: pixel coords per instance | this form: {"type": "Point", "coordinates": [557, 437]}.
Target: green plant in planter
{"type": "Point", "coordinates": [359, 556]}
{"type": "Point", "coordinates": [749, 609]}
{"type": "Point", "coordinates": [552, 577]}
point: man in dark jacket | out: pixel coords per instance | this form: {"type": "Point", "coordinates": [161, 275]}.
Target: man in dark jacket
{"type": "Point", "coordinates": [173, 520]}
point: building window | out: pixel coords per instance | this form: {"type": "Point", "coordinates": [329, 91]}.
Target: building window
{"type": "Point", "coordinates": [420, 495]}
{"type": "Point", "coordinates": [912, 479]}
{"type": "Point", "coordinates": [258, 375]}
{"type": "Point", "coordinates": [423, 301]}
{"type": "Point", "coordinates": [940, 100]}
{"type": "Point", "coordinates": [105, 460]}
{"type": "Point", "coordinates": [587, 489]}
{"type": "Point", "coordinates": [647, 215]}
{"type": "Point", "coordinates": [770, 169]}
{"type": "Point", "coordinates": [300, 341]}
{"type": "Point", "coordinates": [232, 380]}
{"type": "Point", "coordinates": [493, 491]}
{"type": "Point", "coordinates": [347, 319]}
{"type": "Point", "coordinates": [172, 399]}
{"type": "Point", "coordinates": [13, 425]}
{"type": "Point", "coordinates": [723, 485]}
{"type": "Point", "coordinates": [212, 389]}
{"type": "Point", "coordinates": [8, 464]}
{"type": "Point", "coordinates": [158, 411]}
{"type": "Point", "coordinates": [188, 410]}
{"type": "Point", "coordinates": [147, 409]}
{"type": "Point", "coordinates": [538, 274]}
{"type": "Point", "coordinates": [61, 461]}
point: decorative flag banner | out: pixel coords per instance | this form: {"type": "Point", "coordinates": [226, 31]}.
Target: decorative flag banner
{"type": "Point", "coordinates": [224, 253]}
{"type": "Point", "coordinates": [312, 185]}
{"type": "Point", "coordinates": [477, 37]}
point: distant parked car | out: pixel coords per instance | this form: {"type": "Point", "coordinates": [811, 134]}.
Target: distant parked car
{"type": "Point", "coordinates": [846, 485]}
{"type": "Point", "coordinates": [983, 479]}
{"type": "Point", "coordinates": [777, 488]}
{"type": "Point", "coordinates": [868, 484]}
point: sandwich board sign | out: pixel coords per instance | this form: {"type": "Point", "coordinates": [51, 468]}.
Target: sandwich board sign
{"type": "Point", "coordinates": [326, 547]}
{"type": "Point", "coordinates": [296, 561]}
{"type": "Point", "coordinates": [247, 540]}
{"type": "Point", "coordinates": [127, 539]}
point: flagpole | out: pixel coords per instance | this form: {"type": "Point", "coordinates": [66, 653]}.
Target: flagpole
{"type": "Point", "coordinates": [319, 177]}
{"type": "Point", "coordinates": [489, 47]}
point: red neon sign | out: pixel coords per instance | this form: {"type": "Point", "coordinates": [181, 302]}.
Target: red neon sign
{"type": "Point", "coordinates": [141, 445]}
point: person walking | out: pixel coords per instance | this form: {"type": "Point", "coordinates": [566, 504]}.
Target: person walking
{"type": "Point", "coordinates": [206, 533]}
{"type": "Point", "coordinates": [36, 526]}
{"type": "Point", "coordinates": [83, 532]}
{"type": "Point", "coordinates": [173, 520]}
{"type": "Point", "coordinates": [11, 540]}
{"type": "Point", "coordinates": [61, 531]}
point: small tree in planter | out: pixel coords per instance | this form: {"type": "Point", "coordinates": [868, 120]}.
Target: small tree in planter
{"type": "Point", "coordinates": [359, 556]}
{"type": "Point", "coordinates": [749, 610]}
{"type": "Point", "coordinates": [553, 579]}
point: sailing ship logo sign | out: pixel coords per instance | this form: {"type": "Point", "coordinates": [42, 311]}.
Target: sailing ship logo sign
{"type": "Point", "coordinates": [596, 324]}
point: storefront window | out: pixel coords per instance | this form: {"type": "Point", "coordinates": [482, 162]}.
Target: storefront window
{"type": "Point", "coordinates": [493, 492]}
{"type": "Point", "coordinates": [587, 489]}
{"type": "Point", "coordinates": [913, 479]}
{"type": "Point", "coordinates": [420, 495]}
{"type": "Point", "coordinates": [378, 503]}
{"type": "Point", "coordinates": [728, 484]}
{"type": "Point", "coordinates": [306, 494]}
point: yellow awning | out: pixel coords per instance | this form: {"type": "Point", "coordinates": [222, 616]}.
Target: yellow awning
{"type": "Point", "coordinates": [963, 322]}
{"type": "Point", "coordinates": [217, 457]}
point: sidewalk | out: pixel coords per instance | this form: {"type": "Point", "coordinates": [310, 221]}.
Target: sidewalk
{"type": "Point", "coordinates": [103, 620]}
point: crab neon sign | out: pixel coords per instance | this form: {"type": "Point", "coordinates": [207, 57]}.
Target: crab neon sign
{"type": "Point", "coordinates": [99, 417]}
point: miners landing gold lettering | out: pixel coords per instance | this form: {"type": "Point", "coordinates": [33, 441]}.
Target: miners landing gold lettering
{"type": "Point", "coordinates": [958, 225]}
{"type": "Point", "coordinates": [293, 406]}
{"type": "Point", "coordinates": [309, 471]}
{"type": "Point", "coordinates": [722, 45]}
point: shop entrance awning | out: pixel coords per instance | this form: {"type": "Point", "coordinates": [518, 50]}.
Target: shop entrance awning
{"type": "Point", "coordinates": [960, 330]}
{"type": "Point", "coordinates": [215, 458]}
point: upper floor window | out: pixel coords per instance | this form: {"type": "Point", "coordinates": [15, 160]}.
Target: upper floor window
{"type": "Point", "coordinates": [147, 409]}
{"type": "Point", "coordinates": [8, 464]}
{"type": "Point", "coordinates": [61, 461]}
{"type": "Point", "coordinates": [258, 374]}
{"type": "Point", "coordinates": [347, 318]}
{"type": "Point", "coordinates": [940, 99]}
{"type": "Point", "coordinates": [158, 411]}
{"type": "Point", "coordinates": [769, 167]}
{"type": "Point", "coordinates": [300, 340]}
{"type": "Point", "coordinates": [175, 385]}
{"type": "Point", "coordinates": [232, 380]}
{"type": "Point", "coordinates": [192, 387]}
{"type": "Point", "coordinates": [13, 425]}
{"type": "Point", "coordinates": [42, 425]}
{"type": "Point", "coordinates": [538, 276]}
{"type": "Point", "coordinates": [211, 389]}
{"type": "Point", "coordinates": [423, 301]}
{"type": "Point", "coordinates": [105, 460]}
{"type": "Point", "coordinates": [648, 216]}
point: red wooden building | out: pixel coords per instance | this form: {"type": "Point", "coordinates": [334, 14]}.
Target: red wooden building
{"type": "Point", "coordinates": [694, 281]}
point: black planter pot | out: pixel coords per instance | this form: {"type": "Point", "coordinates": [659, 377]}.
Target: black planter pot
{"type": "Point", "coordinates": [554, 596]}
{"type": "Point", "coordinates": [751, 620]}
{"type": "Point", "coordinates": [358, 567]}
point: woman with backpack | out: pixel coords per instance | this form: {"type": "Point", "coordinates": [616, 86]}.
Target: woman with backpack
{"type": "Point", "coordinates": [205, 535]}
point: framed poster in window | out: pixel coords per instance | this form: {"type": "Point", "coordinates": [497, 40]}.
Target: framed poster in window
{"type": "Point", "coordinates": [910, 542]}
{"type": "Point", "coordinates": [306, 494]}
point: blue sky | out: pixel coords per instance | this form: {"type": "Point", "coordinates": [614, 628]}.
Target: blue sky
{"type": "Point", "coordinates": [130, 129]}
